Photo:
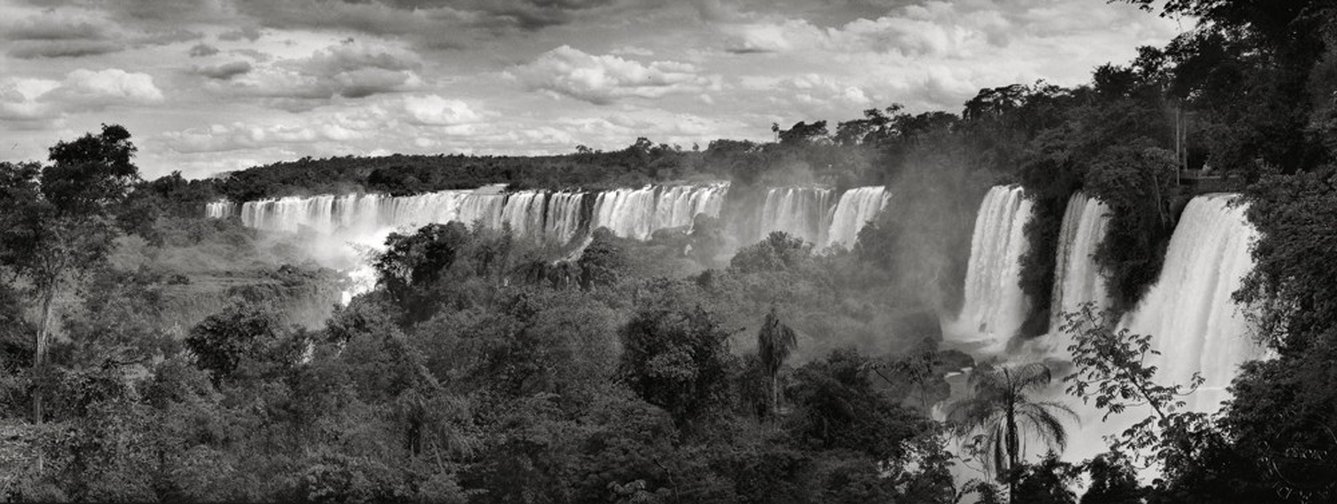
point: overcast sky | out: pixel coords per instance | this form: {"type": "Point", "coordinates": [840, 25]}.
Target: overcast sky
{"type": "Point", "coordinates": [212, 85]}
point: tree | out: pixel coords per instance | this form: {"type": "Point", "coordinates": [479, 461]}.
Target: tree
{"type": "Point", "coordinates": [603, 261]}
{"type": "Point", "coordinates": [837, 407]}
{"type": "Point", "coordinates": [778, 251]}
{"type": "Point", "coordinates": [57, 222]}
{"type": "Point", "coordinates": [1197, 457]}
{"type": "Point", "coordinates": [679, 360]}
{"type": "Point", "coordinates": [223, 341]}
{"type": "Point", "coordinates": [998, 411]}
{"type": "Point", "coordinates": [413, 264]}
{"type": "Point", "coordinates": [775, 341]}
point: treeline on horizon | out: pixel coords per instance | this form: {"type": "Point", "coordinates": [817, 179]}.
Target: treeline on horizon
{"type": "Point", "coordinates": [485, 367]}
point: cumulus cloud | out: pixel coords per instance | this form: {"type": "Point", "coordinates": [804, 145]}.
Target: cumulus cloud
{"type": "Point", "coordinates": [465, 75]}
{"type": "Point", "coordinates": [37, 103]}
{"type": "Point", "coordinates": [437, 111]}
{"type": "Point", "coordinates": [94, 90]}
{"type": "Point", "coordinates": [316, 130]}
{"type": "Point", "coordinates": [604, 79]}
{"type": "Point", "coordinates": [349, 70]}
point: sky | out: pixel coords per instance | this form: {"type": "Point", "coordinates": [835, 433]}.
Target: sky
{"type": "Point", "coordinates": [207, 86]}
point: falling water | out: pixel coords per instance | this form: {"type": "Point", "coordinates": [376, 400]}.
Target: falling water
{"type": "Point", "coordinates": [994, 306]}
{"type": "Point", "coordinates": [856, 207]}
{"type": "Point", "coordinates": [221, 209]}
{"type": "Point", "coordinates": [638, 213]}
{"type": "Point", "coordinates": [634, 213]}
{"type": "Point", "coordinates": [1077, 278]}
{"type": "Point", "coordinates": [798, 211]}
{"type": "Point", "coordinates": [1190, 313]}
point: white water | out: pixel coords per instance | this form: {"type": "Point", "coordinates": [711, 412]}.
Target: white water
{"type": "Point", "coordinates": [347, 226]}
{"type": "Point", "coordinates": [818, 215]}
{"type": "Point", "coordinates": [221, 209]}
{"type": "Point", "coordinates": [994, 306]}
{"type": "Point", "coordinates": [638, 213]}
{"type": "Point", "coordinates": [1077, 278]}
{"type": "Point", "coordinates": [856, 207]}
{"type": "Point", "coordinates": [801, 212]}
{"type": "Point", "coordinates": [1189, 311]}
{"type": "Point", "coordinates": [633, 213]}
{"type": "Point", "coordinates": [1196, 324]}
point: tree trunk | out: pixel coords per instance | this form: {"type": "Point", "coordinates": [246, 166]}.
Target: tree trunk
{"type": "Point", "coordinates": [775, 394]}
{"type": "Point", "coordinates": [39, 355]}
{"type": "Point", "coordinates": [1013, 445]}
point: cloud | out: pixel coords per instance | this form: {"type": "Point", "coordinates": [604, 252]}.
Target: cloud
{"type": "Point", "coordinates": [201, 50]}
{"type": "Point", "coordinates": [60, 33]}
{"type": "Point", "coordinates": [94, 90]}
{"type": "Point", "coordinates": [223, 71]}
{"type": "Point", "coordinates": [437, 111]}
{"type": "Point", "coordinates": [251, 33]}
{"type": "Point", "coordinates": [43, 103]}
{"type": "Point", "coordinates": [167, 36]}
{"type": "Point", "coordinates": [74, 33]}
{"type": "Point", "coordinates": [604, 79]}
{"type": "Point", "coordinates": [33, 49]}
{"type": "Point", "coordinates": [348, 70]}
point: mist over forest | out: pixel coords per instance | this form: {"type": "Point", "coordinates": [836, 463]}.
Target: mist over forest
{"type": "Point", "coordinates": [1114, 292]}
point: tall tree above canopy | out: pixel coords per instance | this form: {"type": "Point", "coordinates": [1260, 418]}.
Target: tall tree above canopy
{"type": "Point", "coordinates": [775, 341]}
{"type": "Point", "coordinates": [57, 223]}
{"type": "Point", "coordinates": [91, 172]}
{"type": "Point", "coordinates": [1001, 408]}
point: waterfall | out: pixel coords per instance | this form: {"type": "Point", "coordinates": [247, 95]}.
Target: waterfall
{"type": "Point", "coordinates": [638, 213]}
{"type": "Point", "coordinates": [994, 306]}
{"type": "Point", "coordinates": [1193, 320]}
{"type": "Point", "coordinates": [559, 216]}
{"type": "Point", "coordinates": [1077, 278]}
{"type": "Point", "coordinates": [799, 211]}
{"type": "Point", "coordinates": [1190, 315]}
{"type": "Point", "coordinates": [856, 207]}
{"type": "Point", "coordinates": [221, 209]}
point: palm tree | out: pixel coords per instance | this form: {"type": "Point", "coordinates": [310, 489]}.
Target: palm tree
{"type": "Point", "coordinates": [775, 341]}
{"type": "Point", "coordinates": [999, 410]}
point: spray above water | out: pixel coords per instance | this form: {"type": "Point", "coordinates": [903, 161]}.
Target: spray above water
{"type": "Point", "coordinates": [348, 226]}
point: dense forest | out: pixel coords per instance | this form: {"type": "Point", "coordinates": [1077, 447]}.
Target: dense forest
{"type": "Point", "coordinates": [147, 353]}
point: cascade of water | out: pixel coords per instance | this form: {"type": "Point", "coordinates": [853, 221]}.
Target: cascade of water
{"type": "Point", "coordinates": [1077, 278]}
{"type": "Point", "coordinates": [634, 213]}
{"type": "Point", "coordinates": [798, 211]}
{"type": "Point", "coordinates": [1189, 312]}
{"type": "Point", "coordinates": [637, 213]}
{"type": "Point", "coordinates": [1190, 315]}
{"type": "Point", "coordinates": [221, 209]}
{"type": "Point", "coordinates": [994, 306]}
{"type": "Point", "coordinates": [562, 218]}
{"type": "Point", "coordinates": [856, 207]}
{"type": "Point", "coordinates": [626, 212]}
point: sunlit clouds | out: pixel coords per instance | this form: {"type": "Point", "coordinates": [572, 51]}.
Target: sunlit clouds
{"type": "Point", "coordinates": [213, 85]}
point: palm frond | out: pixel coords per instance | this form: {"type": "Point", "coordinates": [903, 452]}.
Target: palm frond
{"type": "Point", "coordinates": [775, 341]}
{"type": "Point", "coordinates": [1035, 375]}
{"type": "Point", "coordinates": [1047, 426]}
